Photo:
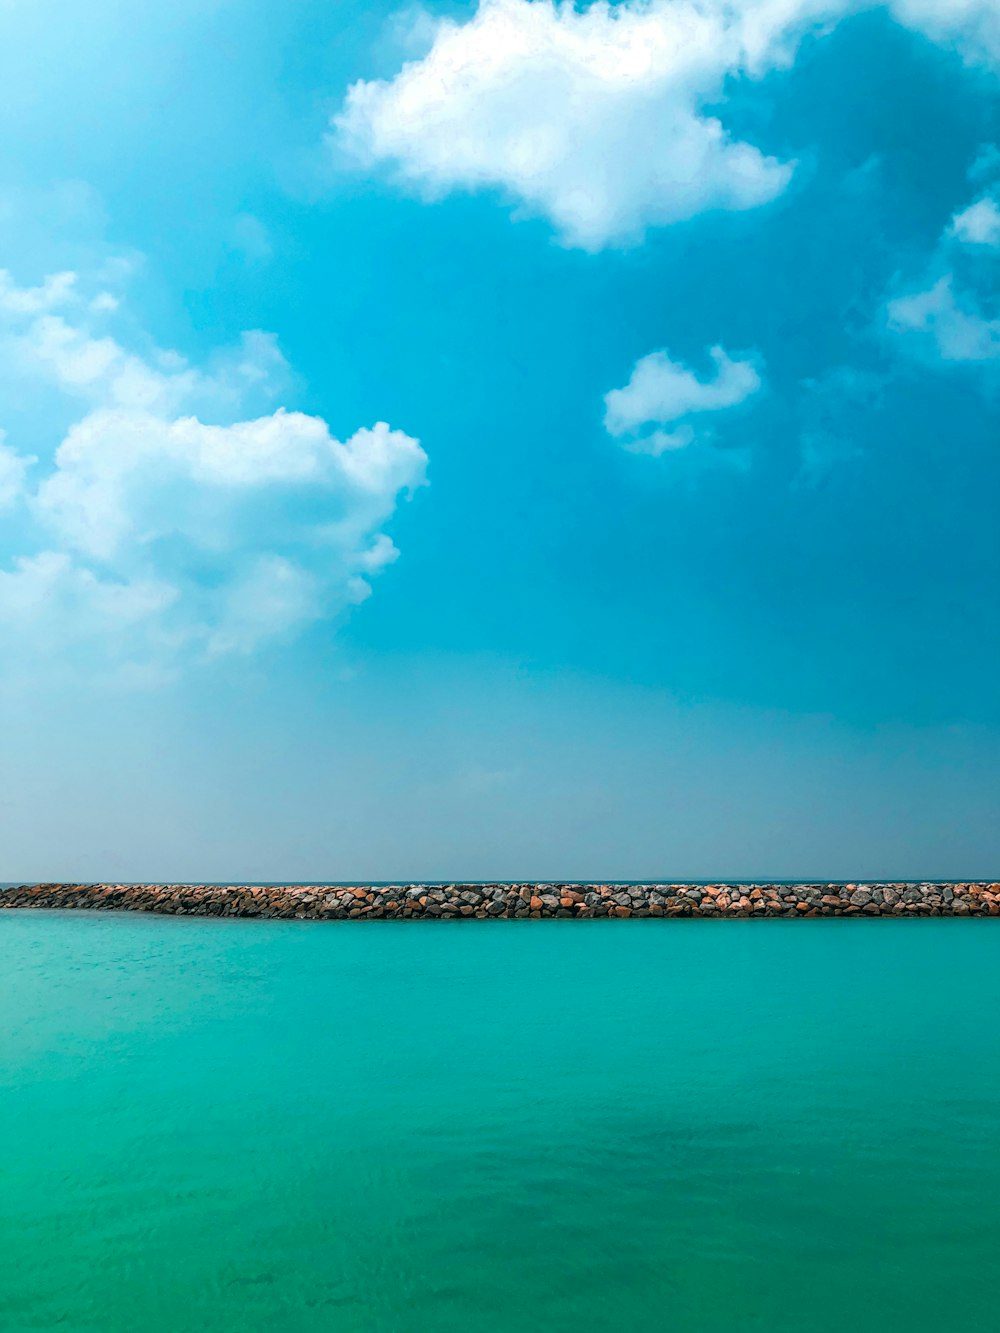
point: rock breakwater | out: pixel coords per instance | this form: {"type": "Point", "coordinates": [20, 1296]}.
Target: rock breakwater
{"type": "Point", "coordinates": [483, 901]}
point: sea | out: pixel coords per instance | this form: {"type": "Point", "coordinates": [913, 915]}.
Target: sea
{"type": "Point", "coordinates": [227, 1126]}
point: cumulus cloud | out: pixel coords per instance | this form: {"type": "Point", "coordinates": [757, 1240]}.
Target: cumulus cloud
{"type": "Point", "coordinates": [161, 535]}
{"type": "Point", "coordinates": [971, 26]}
{"type": "Point", "coordinates": [592, 117]}
{"type": "Point", "coordinates": [952, 325]}
{"type": "Point", "coordinates": [664, 404]}
{"type": "Point", "coordinates": [597, 117]}
{"type": "Point", "coordinates": [56, 290]}
{"type": "Point", "coordinates": [979, 224]}
{"type": "Point", "coordinates": [952, 316]}
{"type": "Point", "coordinates": [67, 354]}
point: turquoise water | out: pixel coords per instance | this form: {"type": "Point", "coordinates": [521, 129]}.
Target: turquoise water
{"type": "Point", "coordinates": [786, 1126]}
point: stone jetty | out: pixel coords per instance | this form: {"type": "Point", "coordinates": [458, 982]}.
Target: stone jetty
{"type": "Point", "coordinates": [523, 901]}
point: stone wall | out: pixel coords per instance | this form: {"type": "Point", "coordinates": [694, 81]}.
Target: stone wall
{"type": "Point", "coordinates": [415, 901]}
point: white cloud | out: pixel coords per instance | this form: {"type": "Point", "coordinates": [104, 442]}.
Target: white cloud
{"type": "Point", "coordinates": [954, 327]}
{"type": "Point", "coordinates": [594, 118]}
{"type": "Point", "coordinates": [970, 26]}
{"type": "Point", "coordinates": [160, 536]}
{"type": "Point", "coordinates": [597, 117]}
{"type": "Point", "coordinates": [979, 224]}
{"type": "Point", "coordinates": [50, 593]}
{"type": "Point", "coordinates": [952, 316]}
{"type": "Point", "coordinates": [56, 290]}
{"type": "Point", "coordinates": [81, 363]}
{"type": "Point", "coordinates": [653, 412]}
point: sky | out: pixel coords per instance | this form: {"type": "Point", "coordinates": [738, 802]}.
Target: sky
{"type": "Point", "coordinates": [500, 440]}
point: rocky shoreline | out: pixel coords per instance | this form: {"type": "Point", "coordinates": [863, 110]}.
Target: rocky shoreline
{"type": "Point", "coordinates": [531, 901]}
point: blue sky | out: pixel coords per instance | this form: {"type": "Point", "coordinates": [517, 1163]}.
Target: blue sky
{"type": "Point", "coordinates": [500, 440]}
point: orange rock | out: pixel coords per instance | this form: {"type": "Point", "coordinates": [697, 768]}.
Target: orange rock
{"type": "Point", "coordinates": [535, 904]}
{"type": "Point", "coordinates": [622, 911]}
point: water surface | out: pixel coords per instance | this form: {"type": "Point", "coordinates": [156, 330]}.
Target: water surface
{"type": "Point", "coordinates": [577, 1127]}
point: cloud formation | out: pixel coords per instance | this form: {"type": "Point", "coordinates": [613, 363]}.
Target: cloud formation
{"type": "Point", "coordinates": [953, 325]}
{"type": "Point", "coordinates": [954, 317]}
{"type": "Point", "coordinates": [664, 404]}
{"type": "Point", "coordinates": [979, 224]}
{"type": "Point", "coordinates": [166, 525]}
{"type": "Point", "coordinates": [970, 26]}
{"type": "Point", "coordinates": [598, 118]}
{"type": "Point", "coordinates": [593, 118]}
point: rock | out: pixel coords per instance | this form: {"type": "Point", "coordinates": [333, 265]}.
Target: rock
{"type": "Point", "coordinates": [538, 900]}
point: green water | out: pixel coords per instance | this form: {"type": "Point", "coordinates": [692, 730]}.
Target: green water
{"type": "Point", "coordinates": [791, 1127]}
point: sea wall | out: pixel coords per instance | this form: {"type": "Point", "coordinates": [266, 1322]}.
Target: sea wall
{"type": "Point", "coordinates": [419, 901]}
